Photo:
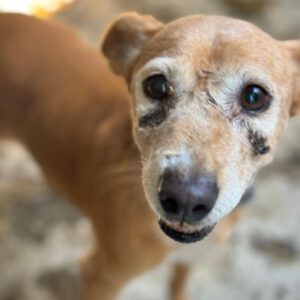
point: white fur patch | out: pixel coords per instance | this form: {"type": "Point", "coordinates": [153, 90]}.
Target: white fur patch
{"type": "Point", "coordinates": [228, 93]}
{"type": "Point", "coordinates": [162, 65]}
{"type": "Point", "coordinates": [225, 88]}
{"type": "Point", "coordinates": [174, 159]}
{"type": "Point", "coordinates": [178, 72]}
{"type": "Point", "coordinates": [229, 197]}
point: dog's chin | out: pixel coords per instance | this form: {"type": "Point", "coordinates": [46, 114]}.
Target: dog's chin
{"type": "Point", "coordinates": [182, 234]}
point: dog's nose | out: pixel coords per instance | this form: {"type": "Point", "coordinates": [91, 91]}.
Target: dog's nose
{"type": "Point", "coordinates": [187, 199]}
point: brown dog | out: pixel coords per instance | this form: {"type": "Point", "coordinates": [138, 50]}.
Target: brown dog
{"type": "Point", "coordinates": [211, 98]}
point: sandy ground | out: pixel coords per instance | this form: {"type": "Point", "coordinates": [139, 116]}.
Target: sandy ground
{"type": "Point", "coordinates": [42, 236]}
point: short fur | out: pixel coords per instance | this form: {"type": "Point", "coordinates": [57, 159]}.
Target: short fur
{"type": "Point", "coordinates": [208, 60]}
{"type": "Point", "coordinates": [59, 98]}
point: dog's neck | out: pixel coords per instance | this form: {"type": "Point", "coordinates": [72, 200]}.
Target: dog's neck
{"type": "Point", "coordinates": [64, 104]}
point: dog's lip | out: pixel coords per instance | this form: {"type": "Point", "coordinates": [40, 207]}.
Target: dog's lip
{"type": "Point", "coordinates": [182, 235]}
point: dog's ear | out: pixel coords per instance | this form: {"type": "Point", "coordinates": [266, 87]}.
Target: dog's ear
{"type": "Point", "coordinates": [126, 37]}
{"type": "Point", "coordinates": [294, 52]}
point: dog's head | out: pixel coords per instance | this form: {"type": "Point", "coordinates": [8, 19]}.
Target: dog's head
{"type": "Point", "coordinates": [211, 98]}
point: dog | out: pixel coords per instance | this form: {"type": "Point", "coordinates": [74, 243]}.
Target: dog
{"type": "Point", "coordinates": [195, 109]}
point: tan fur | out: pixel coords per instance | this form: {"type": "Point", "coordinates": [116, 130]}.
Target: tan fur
{"type": "Point", "coordinates": [59, 98]}
{"type": "Point", "coordinates": [138, 31]}
{"type": "Point", "coordinates": [178, 281]}
{"type": "Point", "coordinates": [293, 51]}
{"type": "Point", "coordinates": [202, 57]}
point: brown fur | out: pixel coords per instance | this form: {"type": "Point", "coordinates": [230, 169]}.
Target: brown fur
{"type": "Point", "coordinates": [59, 98]}
{"type": "Point", "coordinates": [208, 60]}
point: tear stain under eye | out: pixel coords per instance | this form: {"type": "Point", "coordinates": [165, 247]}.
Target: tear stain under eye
{"type": "Point", "coordinates": [158, 115]}
{"type": "Point", "coordinates": [153, 118]}
{"type": "Point", "coordinates": [258, 143]}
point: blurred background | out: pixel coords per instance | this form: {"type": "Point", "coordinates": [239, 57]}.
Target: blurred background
{"type": "Point", "coordinates": [42, 236]}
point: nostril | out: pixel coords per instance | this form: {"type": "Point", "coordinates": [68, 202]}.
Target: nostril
{"type": "Point", "coordinates": [200, 208]}
{"type": "Point", "coordinates": [185, 197]}
{"type": "Point", "coordinates": [170, 205]}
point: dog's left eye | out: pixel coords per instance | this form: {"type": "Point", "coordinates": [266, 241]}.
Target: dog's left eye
{"type": "Point", "coordinates": [255, 98]}
{"type": "Point", "coordinates": [157, 87]}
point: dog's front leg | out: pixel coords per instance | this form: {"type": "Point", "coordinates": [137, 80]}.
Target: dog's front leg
{"type": "Point", "coordinates": [178, 282]}
{"type": "Point", "coordinates": [127, 243]}
{"type": "Point", "coordinates": [99, 281]}
{"type": "Point", "coordinates": [103, 280]}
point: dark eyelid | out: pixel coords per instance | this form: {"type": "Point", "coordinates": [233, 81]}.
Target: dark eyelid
{"type": "Point", "coordinates": [154, 73]}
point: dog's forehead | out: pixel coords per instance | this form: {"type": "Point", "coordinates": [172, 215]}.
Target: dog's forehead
{"type": "Point", "coordinates": [215, 40]}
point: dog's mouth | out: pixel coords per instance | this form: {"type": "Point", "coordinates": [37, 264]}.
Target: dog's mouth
{"type": "Point", "coordinates": [181, 234]}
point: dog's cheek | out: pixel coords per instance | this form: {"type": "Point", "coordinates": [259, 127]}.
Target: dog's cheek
{"type": "Point", "coordinates": [145, 140]}
{"type": "Point", "coordinates": [150, 177]}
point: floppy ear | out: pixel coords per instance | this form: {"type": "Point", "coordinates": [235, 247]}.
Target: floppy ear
{"type": "Point", "coordinates": [294, 50]}
{"type": "Point", "coordinates": [126, 37]}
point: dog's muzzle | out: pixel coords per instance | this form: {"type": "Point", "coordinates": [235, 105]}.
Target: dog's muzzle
{"type": "Point", "coordinates": [182, 236]}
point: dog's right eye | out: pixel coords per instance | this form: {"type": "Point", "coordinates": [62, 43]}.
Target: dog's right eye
{"type": "Point", "coordinates": [157, 87]}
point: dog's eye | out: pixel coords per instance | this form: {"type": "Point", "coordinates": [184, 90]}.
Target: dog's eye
{"type": "Point", "coordinates": [157, 87]}
{"type": "Point", "coordinates": [255, 99]}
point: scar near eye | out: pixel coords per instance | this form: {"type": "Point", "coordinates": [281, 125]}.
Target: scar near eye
{"type": "Point", "coordinates": [210, 98]}
{"type": "Point", "coordinates": [153, 118]}
{"type": "Point", "coordinates": [258, 143]}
